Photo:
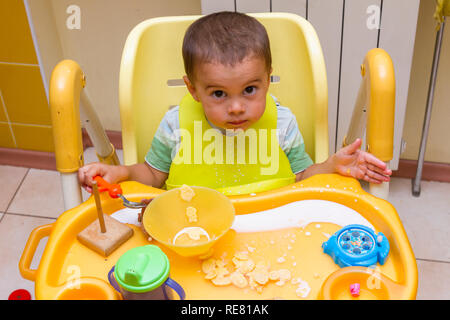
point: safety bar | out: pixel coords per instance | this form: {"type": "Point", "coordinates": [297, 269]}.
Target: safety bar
{"type": "Point", "coordinates": [375, 111]}
{"type": "Point", "coordinates": [66, 91]}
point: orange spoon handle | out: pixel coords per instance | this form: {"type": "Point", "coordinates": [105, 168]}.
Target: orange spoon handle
{"type": "Point", "coordinates": [113, 189]}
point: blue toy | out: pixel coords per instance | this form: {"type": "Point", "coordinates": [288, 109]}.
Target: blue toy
{"type": "Point", "coordinates": [357, 245]}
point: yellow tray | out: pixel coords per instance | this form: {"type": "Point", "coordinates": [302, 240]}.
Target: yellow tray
{"type": "Point", "coordinates": [69, 270]}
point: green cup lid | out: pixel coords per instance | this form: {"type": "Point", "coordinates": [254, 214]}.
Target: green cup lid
{"type": "Point", "coordinates": [142, 269]}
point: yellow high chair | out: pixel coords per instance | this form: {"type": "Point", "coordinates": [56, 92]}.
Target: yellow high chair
{"type": "Point", "coordinates": [150, 83]}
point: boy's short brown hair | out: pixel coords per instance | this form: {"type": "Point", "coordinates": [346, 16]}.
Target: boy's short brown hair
{"type": "Point", "coordinates": [225, 38]}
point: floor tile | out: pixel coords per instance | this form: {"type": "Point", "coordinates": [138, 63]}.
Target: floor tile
{"type": "Point", "coordinates": [39, 195]}
{"type": "Point", "coordinates": [14, 232]}
{"type": "Point", "coordinates": [434, 280]}
{"type": "Point", "coordinates": [426, 219]}
{"type": "Point", "coordinates": [10, 179]}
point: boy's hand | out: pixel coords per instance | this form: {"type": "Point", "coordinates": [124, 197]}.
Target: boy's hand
{"type": "Point", "coordinates": [353, 162]}
{"type": "Point", "coordinates": [141, 214]}
{"type": "Point", "coordinates": [110, 173]}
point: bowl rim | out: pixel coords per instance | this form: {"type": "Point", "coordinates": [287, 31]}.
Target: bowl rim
{"type": "Point", "coordinates": [212, 239]}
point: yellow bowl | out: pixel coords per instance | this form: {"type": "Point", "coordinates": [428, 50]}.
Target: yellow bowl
{"type": "Point", "coordinates": [373, 285]}
{"type": "Point", "coordinates": [166, 216]}
{"type": "Point", "coordinates": [87, 288]}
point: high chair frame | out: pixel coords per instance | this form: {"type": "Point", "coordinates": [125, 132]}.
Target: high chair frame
{"type": "Point", "coordinates": [300, 68]}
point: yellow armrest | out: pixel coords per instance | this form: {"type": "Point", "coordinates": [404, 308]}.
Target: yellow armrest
{"type": "Point", "coordinates": [66, 84]}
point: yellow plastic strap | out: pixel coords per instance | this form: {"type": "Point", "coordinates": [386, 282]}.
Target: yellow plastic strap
{"type": "Point", "coordinates": [442, 9]}
{"type": "Point", "coordinates": [111, 158]}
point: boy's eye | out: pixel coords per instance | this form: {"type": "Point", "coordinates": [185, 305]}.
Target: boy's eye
{"type": "Point", "coordinates": [250, 90]}
{"type": "Point", "coordinates": [218, 94]}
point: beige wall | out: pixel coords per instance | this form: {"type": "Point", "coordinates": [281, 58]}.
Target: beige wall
{"type": "Point", "coordinates": [97, 45]}
{"type": "Point", "coordinates": [438, 145]}
{"type": "Point", "coordinates": [49, 44]}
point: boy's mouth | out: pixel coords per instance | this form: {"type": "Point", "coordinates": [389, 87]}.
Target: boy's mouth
{"type": "Point", "coordinates": [237, 123]}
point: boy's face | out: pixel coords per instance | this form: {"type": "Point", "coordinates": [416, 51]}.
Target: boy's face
{"type": "Point", "coordinates": [232, 97]}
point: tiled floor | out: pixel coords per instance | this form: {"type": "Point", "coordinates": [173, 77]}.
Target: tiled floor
{"type": "Point", "coordinates": [31, 198]}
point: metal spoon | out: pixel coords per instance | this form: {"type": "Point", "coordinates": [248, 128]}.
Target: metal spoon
{"type": "Point", "coordinates": [131, 204]}
{"type": "Point", "coordinates": [115, 191]}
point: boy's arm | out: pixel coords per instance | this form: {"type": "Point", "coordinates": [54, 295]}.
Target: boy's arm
{"type": "Point", "coordinates": [146, 174]}
{"type": "Point", "coordinates": [317, 168]}
{"type": "Point", "coordinates": [141, 172]}
{"type": "Point", "coordinates": [159, 156]}
{"type": "Point", "coordinates": [353, 162]}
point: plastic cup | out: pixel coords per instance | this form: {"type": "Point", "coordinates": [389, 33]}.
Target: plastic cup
{"type": "Point", "coordinates": [142, 273]}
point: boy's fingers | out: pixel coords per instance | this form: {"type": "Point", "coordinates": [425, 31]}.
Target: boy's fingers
{"type": "Point", "coordinates": [374, 172]}
{"type": "Point", "coordinates": [369, 176]}
{"type": "Point", "coordinates": [371, 159]}
{"type": "Point", "coordinates": [81, 179]}
{"type": "Point", "coordinates": [377, 176]}
{"type": "Point", "coordinates": [351, 148]}
{"type": "Point", "coordinates": [87, 173]}
{"type": "Point", "coordinates": [371, 180]}
{"type": "Point", "coordinates": [385, 172]}
{"type": "Point", "coordinates": [91, 173]}
{"type": "Point", "coordinates": [146, 201]}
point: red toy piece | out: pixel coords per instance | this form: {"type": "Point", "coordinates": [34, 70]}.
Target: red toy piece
{"type": "Point", "coordinates": [20, 294]}
{"type": "Point", "coordinates": [354, 289]}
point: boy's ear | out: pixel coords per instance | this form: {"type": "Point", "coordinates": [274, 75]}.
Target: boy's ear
{"type": "Point", "coordinates": [191, 88]}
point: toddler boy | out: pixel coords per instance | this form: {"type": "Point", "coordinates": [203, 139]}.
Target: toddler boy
{"type": "Point", "coordinates": [257, 145]}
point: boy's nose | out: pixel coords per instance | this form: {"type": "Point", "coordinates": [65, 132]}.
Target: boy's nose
{"type": "Point", "coordinates": [236, 107]}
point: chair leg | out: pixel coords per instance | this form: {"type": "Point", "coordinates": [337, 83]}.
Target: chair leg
{"type": "Point", "coordinates": [426, 122]}
{"type": "Point", "coordinates": [71, 190]}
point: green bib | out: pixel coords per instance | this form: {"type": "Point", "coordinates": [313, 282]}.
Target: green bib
{"type": "Point", "coordinates": [246, 162]}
